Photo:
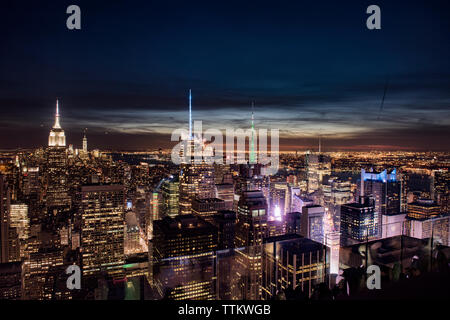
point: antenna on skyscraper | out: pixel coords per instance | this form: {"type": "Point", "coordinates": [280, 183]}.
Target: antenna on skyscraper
{"type": "Point", "coordinates": [190, 114]}
{"type": "Point", "coordinates": [57, 124]}
{"type": "Point", "coordinates": [252, 156]}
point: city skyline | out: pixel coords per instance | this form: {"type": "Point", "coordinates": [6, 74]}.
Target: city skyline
{"type": "Point", "coordinates": [324, 75]}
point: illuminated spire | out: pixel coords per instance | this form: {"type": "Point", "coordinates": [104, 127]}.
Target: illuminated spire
{"type": "Point", "coordinates": [57, 125]}
{"type": "Point", "coordinates": [57, 137]}
{"type": "Point", "coordinates": [252, 158]}
{"type": "Point", "coordinates": [190, 114]}
{"type": "Point", "coordinates": [85, 141]}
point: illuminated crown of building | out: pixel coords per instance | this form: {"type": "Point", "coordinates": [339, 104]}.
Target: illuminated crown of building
{"type": "Point", "coordinates": [193, 144]}
{"type": "Point", "coordinates": [57, 137]}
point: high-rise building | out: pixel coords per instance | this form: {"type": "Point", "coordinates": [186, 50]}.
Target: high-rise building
{"type": "Point", "coordinates": [280, 199]}
{"type": "Point", "coordinates": [170, 197]}
{"type": "Point", "coordinates": [290, 262]}
{"type": "Point", "coordinates": [85, 145]}
{"type": "Point", "coordinates": [57, 172]}
{"type": "Point", "coordinates": [207, 208]}
{"type": "Point", "coordinates": [102, 230]}
{"type": "Point", "coordinates": [183, 258]}
{"type": "Point", "coordinates": [293, 221]}
{"type": "Point", "coordinates": [225, 191]}
{"type": "Point", "coordinates": [57, 137]}
{"type": "Point", "coordinates": [44, 275]}
{"type": "Point", "coordinates": [298, 202]}
{"type": "Point", "coordinates": [196, 181]}
{"type": "Point", "coordinates": [155, 211]}
{"type": "Point", "coordinates": [318, 165]}
{"type": "Point", "coordinates": [253, 158]}
{"type": "Point", "coordinates": [196, 176]}
{"type": "Point", "coordinates": [359, 221]}
{"type": "Point", "coordinates": [336, 193]}
{"type": "Point", "coordinates": [225, 221]}
{"type": "Point", "coordinates": [385, 188]}
{"type": "Point", "coordinates": [222, 173]}
{"type": "Point", "coordinates": [276, 227]}
{"type": "Point", "coordinates": [332, 241]}
{"type": "Point", "coordinates": [5, 199]}
{"type": "Point", "coordinates": [441, 187]}
{"type": "Point", "coordinates": [141, 208]}
{"type": "Point", "coordinates": [20, 221]}
{"type": "Point", "coordinates": [312, 223]}
{"type": "Point", "coordinates": [9, 238]}
{"type": "Point", "coordinates": [437, 228]}
{"type": "Point", "coordinates": [31, 186]}
{"type": "Point", "coordinates": [392, 224]}
{"type": "Point", "coordinates": [251, 219]}
{"type": "Point", "coordinates": [251, 228]}
{"type": "Point", "coordinates": [423, 209]}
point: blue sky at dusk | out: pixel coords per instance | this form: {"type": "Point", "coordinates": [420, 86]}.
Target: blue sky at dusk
{"type": "Point", "coordinates": [310, 66]}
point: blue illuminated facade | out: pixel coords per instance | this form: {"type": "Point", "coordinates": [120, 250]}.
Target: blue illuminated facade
{"type": "Point", "coordinates": [379, 176]}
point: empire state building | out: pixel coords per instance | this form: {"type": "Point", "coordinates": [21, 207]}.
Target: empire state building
{"type": "Point", "coordinates": [57, 137]}
{"type": "Point", "coordinates": [57, 197]}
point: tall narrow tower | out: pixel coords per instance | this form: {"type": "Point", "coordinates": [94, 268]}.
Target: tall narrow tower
{"type": "Point", "coordinates": [190, 115]}
{"type": "Point", "coordinates": [85, 143]}
{"type": "Point", "coordinates": [57, 137]}
{"type": "Point", "coordinates": [57, 197]}
{"type": "Point", "coordinates": [252, 157]}
{"type": "Point", "coordinates": [196, 178]}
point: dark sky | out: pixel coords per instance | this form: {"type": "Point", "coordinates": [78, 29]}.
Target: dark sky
{"type": "Point", "coordinates": [312, 67]}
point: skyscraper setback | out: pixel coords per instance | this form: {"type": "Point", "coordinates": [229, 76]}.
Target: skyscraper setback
{"type": "Point", "coordinates": [57, 185]}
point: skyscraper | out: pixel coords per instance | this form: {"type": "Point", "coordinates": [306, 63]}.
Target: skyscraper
{"type": "Point", "coordinates": [335, 194]}
{"type": "Point", "coordinates": [183, 258]}
{"type": "Point", "coordinates": [423, 209]}
{"type": "Point", "coordinates": [280, 199]}
{"type": "Point", "coordinates": [9, 237]}
{"type": "Point", "coordinates": [359, 221]}
{"type": "Point", "coordinates": [225, 191]}
{"type": "Point", "coordinates": [5, 200]}
{"type": "Point", "coordinates": [196, 176]}
{"type": "Point", "coordinates": [385, 188]}
{"type": "Point", "coordinates": [21, 223]}
{"type": "Point", "coordinates": [251, 228]}
{"type": "Point", "coordinates": [312, 223]}
{"type": "Point", "coordinates": [57, 137]}
{"type": "Point", "coordinates": [441, 187]}
{"type": "Point", "coordinates": [318, 166]}
{"type": "Point", "coordinates": [290, 262]}
{"type": "Point", "coordinates": [170, 191]}
{"type": "Point", "coordinates": [253, 157]}
{"type": "Point", "coordinates": [44, 277]}
{"type": "Point", "coordinates": [57, 184]}
{"type": "Point", "coordinates": [85, 146]}
{"type": "Point", "coordinates": [102, 230]}
{"type": "Point", "coordinates": [207, 208]}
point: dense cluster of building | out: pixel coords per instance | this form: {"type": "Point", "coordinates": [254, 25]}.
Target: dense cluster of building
{"type": "Point", "coordinates": [140, 227]}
